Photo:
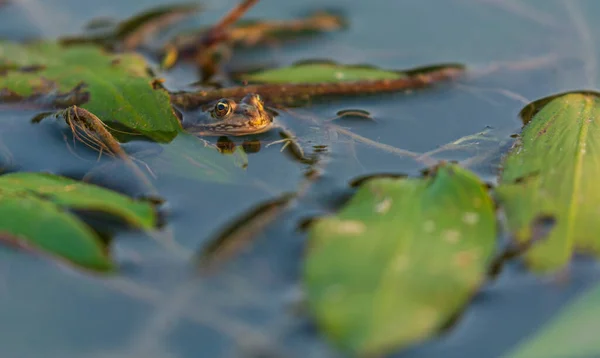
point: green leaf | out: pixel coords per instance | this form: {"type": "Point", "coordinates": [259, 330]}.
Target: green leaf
{"type": "Point", "coordinates": [27, 221]}
{"type": "Point", "coordinates": [572, 333]}
{"type": "Point", "coordinates": [119, 87]}
{"type": "Point", "coordinates": [34, 213]}
{"type": "Point", "coordinates": [400, 259]}
{"type": "Point", "coordinates": [552, 171]}
{"type": "Point", "coordinates": [77, 195]}
{"type": "Point", "coordinates": [322, 71]}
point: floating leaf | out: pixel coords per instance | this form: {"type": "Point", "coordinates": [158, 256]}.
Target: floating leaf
{"type": "Point", "coordinates": [256, 32]}
{"type": "Point", "coordinates": [573, 333]}
{"type": "Point", "coordinates": [28, 221]}
{"type": "Point", "coordinates": [321, 71]}
{"type": "Point", "coordinates": [400, 259]}
{"type": "Point", "coordinates": [34, 213]}
{"type": "Point", "coordinates": [552, 171]}
{"type": "Point", "coordinates": [291, 94]}
{"type": "Point", "coordinates": [116, 88]}
{"type": "Point", "coordinates": [77, 195]}
{"type": "Point", "coordinates": [354, 114]}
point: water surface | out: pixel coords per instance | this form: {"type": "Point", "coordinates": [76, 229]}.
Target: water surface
{"type": "Point", "coordinates": [158, 307]}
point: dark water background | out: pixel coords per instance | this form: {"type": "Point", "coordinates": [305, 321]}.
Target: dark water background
{"type": "Point", "coordinates": [158, 308]}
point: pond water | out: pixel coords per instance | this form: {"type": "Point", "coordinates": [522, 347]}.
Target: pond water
{"type": "Point", "coordinates": [158, 306]}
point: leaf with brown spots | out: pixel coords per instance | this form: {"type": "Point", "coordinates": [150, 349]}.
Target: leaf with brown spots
{"type": "Point", "coordinates": [553, 171]}
{"type": "Point", "coordinates": [400, 259]}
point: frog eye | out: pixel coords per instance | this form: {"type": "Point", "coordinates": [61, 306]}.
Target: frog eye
{"type": "Point", "coordinates": [222, 108]}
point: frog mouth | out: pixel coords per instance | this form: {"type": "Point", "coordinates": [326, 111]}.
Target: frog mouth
{"type": "Point", "coordinates": [219, 129]}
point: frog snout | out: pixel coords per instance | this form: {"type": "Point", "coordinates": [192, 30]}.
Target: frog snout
{"type": "Point", "coordinates": [249, 111]}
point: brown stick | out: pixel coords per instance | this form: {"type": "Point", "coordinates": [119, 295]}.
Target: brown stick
{"type": "Point", "coordinates": [217, 32]}
{"type": "Point", "coordinates": [289, 94]}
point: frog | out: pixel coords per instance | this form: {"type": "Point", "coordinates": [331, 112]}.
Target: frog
{"type": "Point", "coordinates": [249, 116]}
{"type": "Point", "coordinates": [227, 117]}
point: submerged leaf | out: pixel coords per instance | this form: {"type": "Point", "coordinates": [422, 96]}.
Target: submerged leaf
{"type": "Point", "coordinates": [552, 172]}
{"type": "Point", "coordinates": [131, 32]}
{"type": "Point", "coordinates": [189, 157]}
{"type": "Point", "coordinates": [239, 234]}
{"type": "Point", "coordinates": [321, 71]}
{"type": "Point", "coordinates": [573, 333]}
{"type": "Point", "coordinates": [400, 260]}
{"type": "Point", "coordinates": [255, 33]}
{"type": "Point", "coordinates": [34, 213]}
{"type": "Point", "coordinates": [116, 88]}
{"type": "Point", "coordinates": [135, 30]}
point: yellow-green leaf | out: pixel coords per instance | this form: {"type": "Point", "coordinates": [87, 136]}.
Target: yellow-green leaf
{"type": "Point", "coordinates": [553, 170]}
{"type": "Point", "coordinates": [400, 259]}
